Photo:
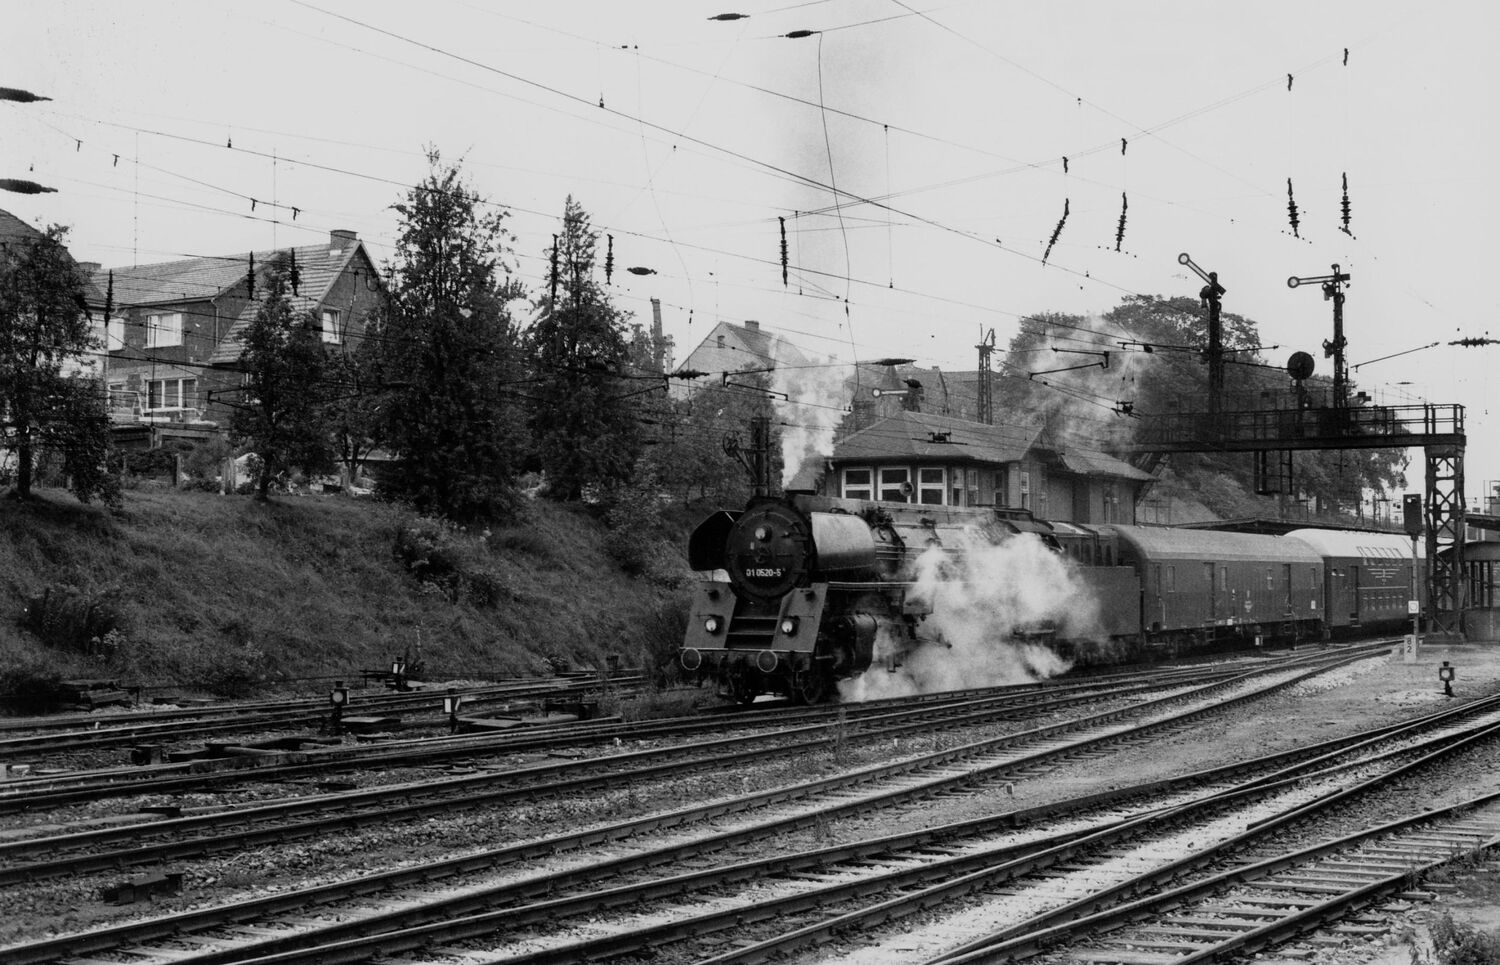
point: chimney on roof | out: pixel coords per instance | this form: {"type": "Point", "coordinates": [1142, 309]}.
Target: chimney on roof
{"type": "Point", "coordinates": [341, 238]}
{"type": "Point", "coordinates": [752, 325]}
{"type": "Point", "coordinates": [658, 344]}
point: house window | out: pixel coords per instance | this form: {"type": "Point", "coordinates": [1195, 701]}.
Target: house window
{"type": "Point", "coordinates": [856, 484]}
{"type": "Point", "coordinates": [930, 482]}
{"type": "Point", "coordinates": [721, 341]}
{"type": "Point", "coordinates": [895, 485]}
{"type": "Point", "coordinates": [114, 334]}
{"type": "Point", "coordinates": [1025, 489]}
{"type": "Point", "coordinates": [172, 394]}
{"type": "Point", "coordinates": [120, 397]}
{"type": "Point", "coordinates": [163, 330]}
{"type": "Point", "coordinates": [333, 332]}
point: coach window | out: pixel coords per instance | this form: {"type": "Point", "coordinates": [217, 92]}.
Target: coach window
{"type": "Point", "coordinates": [895, 484]}
{"type": "Point", "coordinates": [930, 482]}
{"type": "Point", "coordinates": [1224, 578]}
{"type": "Point", "coordinates": [1270, 578]}
{"type": "Point", "coordinates": [856, 483]}
{"type": "Point", "coordinates": [1171, 579]}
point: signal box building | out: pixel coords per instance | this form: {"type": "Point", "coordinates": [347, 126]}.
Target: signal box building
{"type": "Point", "coordinates": [939, 460]}
{"type": "Point", "coordinates": [174, 329]}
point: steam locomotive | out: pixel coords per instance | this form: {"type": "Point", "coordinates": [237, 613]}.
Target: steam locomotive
{"type": "Point", "coordinates": [812, 590]}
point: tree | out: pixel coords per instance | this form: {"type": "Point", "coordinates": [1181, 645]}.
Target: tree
{"type": "Point", "coordinates": [1175, 380]}
{"type": "Point", "coordinates": [357, 421]}
{"type": "Point", "coordinates": [583, 422]}
{"type": "Point", "coordinates": [281, 415]}
{"type": "Point", "coordinates": [1156, 364]}
{"type": "Point", "coordinates": [448, 349]}
{"type": "Point", "coordinates": [43, 327]}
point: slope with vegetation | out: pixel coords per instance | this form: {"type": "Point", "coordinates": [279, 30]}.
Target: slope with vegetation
{"type": "Point", "coordinates": [231, 595]}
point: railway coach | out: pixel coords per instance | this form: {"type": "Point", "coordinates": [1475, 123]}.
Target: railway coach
{"type": "Point", "coordinates": [1367, 577]}
{"type": "Point", "coordinates": [1198, 587]}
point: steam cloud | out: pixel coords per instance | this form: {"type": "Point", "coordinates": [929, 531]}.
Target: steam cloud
{"type": "Point", "coordinates": [980, 592]}
{"type": "Point", "coordinates": [813, 408]}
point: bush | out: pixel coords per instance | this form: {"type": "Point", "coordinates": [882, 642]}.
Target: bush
{"type": "Point", "coordinates": [1458, 944]}
{"type": "Point", "coordinates": [439, 555]}
{"type": "Point", "coordinates": [658, 639]}
{"type": "Point", "coordinates": [31, 689]}
{"type": "Point", "coordinates": [68, 618]}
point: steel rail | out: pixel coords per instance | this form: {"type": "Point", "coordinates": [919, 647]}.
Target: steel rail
{"type": "Point", "coordinates": [891, 847]}
{"type": "Point", "coordinates": [275, 904]}
{"type": "Point", "coordinates": [453, 793]}
{"type": "Point", "coordinates": [203, 723]}
{"type": "Point", "coordinates": [974, 870]}
{"type": "Point", "coordinates": [53, 790]}
{"type": "Point", "coordinates": [1084, 916]}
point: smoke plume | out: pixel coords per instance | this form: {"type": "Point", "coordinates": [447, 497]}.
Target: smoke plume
{"type": "Point", "coordinates": [981, 593]}
{"type": "Point", "coordinates": [812, 409]}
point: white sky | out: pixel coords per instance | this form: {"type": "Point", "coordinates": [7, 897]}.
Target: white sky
{"type": "Point", "coordinates": [958, 112]}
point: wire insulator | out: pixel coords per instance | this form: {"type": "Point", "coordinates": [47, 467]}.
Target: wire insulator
{"type": "Point", "coordinates": [783, 250]}
{"type": "Point", "coordinates": [609, 260]}
{"type": "Point", "coordinates": [1056, 231]}
{"type": "Point", "coordinates": [1344, 207]}
{"type": "Point", "coordinates": [552, 271]}
{"type": "Point", "coordinates": [1120, 231]}
{"type": "Point", "coordinates": [1291, 210]}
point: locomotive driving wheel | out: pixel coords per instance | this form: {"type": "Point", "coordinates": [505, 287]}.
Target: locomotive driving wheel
{"type": "Point", "coordinates": [812, 686]}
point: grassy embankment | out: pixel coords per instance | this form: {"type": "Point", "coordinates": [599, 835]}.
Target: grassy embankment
{"type": "Point", "coordinates": [225, 595]}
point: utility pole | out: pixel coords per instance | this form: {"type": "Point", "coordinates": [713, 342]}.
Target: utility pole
{"type": "Point", "coordinates": [1333, 290]}
{"type": "Point", "coordinates": [756, 458]}
{"type": "Point", "coordinates": [1212, 295]}
{"type": "Point", "coordinates": [986, 380]}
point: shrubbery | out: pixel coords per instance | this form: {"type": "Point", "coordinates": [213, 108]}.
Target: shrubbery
{"type": "Point", "coordinates": [1458, 944]}
{"type": "Point", "coordinates": [30, 689]}
{"type": "Point", "coordinates": [68, 618]}
{"type": "Point", "coordinates": [441, 556]}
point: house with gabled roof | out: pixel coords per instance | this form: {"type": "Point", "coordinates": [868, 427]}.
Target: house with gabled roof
{"type": "Point", "coordinates": [730, 348]}
{"type": "Point", "coordinates": [174, 330]}
{"type": "Point", "coordinates": [939, 460]}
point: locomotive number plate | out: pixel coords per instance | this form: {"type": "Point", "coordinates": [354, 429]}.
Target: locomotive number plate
{"type": "Point", "coordinates": [764, 573]}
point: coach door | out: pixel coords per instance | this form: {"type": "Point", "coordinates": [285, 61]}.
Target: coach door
{"type": "Point", "coordinates": [1213, 592]}
{"type": "Point", "coordinates": [1353, 590]}
{"type": "Point", "coordinates": [1286, 589]}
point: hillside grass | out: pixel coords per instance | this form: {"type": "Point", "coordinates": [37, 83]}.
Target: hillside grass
{"type": "Point", "coordinates": [227, 595]}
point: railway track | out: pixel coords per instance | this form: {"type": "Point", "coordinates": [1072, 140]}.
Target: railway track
{"type": "Point", "coordinates": [55, 790]}
{"type": "Point", "coordinates": [198, 834]}
{"type": "Point", "coordinates": [849, 800]}
{"type": "Point", "coordinates": [50, 736]}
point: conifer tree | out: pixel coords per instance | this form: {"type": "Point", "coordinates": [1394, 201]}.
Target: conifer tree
{"type": "Point", "coordinates": [280, 417]}
{"type": "Point", "coordinates": [583, 421]}
{"type": "Point", "coordinates": [448, 352]}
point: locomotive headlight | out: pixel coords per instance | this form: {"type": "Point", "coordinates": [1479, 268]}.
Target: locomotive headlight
{"type": "Point", "coordinates": [691, 659]}
{"type": "Point", "coordinates": [713, 624]}
{"type": "Point", "coordinates": [789, 626]}
{"type": "Point", "coordinates": [762, 534]}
